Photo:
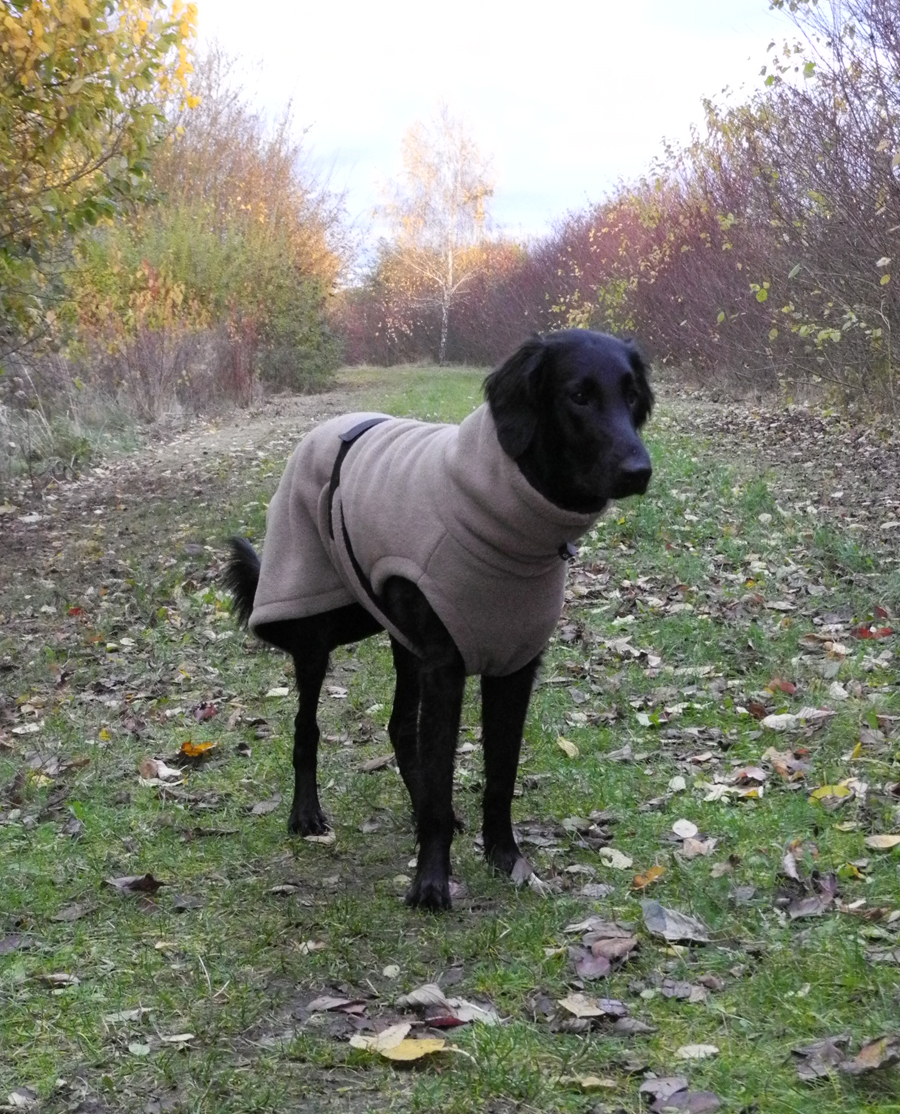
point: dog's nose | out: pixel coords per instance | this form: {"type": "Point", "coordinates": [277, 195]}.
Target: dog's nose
{"type": "Point", "coordinates": [633, 475]}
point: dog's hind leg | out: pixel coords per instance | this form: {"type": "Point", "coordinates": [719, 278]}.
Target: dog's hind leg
{"type": "Point", "coordinates": [403, 724]}
{"type": "Point", "coordinates": [306, 816]}
{"type": "Point", "coordinates": [504, 704]}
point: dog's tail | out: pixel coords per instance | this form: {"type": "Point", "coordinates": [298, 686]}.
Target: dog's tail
{"type": "Point", "coordinates": [241, 577]}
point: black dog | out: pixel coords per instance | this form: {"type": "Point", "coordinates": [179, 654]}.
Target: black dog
{"type": "Point", "coordinates": [566, 408]}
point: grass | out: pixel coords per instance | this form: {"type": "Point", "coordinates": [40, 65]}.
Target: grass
{"type": "Point", "coordinates": [114, 634]}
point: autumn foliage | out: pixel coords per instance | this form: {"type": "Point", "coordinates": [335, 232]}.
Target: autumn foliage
{"type": "Point", "coordinates": [760, 252]}
{"type": "Point", "coordinates": [80, 86]}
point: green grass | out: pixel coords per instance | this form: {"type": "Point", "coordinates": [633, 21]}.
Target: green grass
{"type": "Point", "coordinates": [685, 574]}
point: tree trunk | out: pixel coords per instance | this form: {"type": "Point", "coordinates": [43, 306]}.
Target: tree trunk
{"type": "Point", "coordinates": [445, 318]}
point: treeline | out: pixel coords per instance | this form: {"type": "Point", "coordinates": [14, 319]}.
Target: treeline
{"type": "Point", "coordinates": [163, 246]}
{"type": "Point", "coordinates": [762, 250]}
{"type": "Point", "coordinates": [223, 280]}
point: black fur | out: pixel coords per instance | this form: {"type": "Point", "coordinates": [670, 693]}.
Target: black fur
{"type": "Point", "coordinates": [568, 407]}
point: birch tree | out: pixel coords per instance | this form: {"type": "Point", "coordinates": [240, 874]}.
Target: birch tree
{"type": "Point", "coordinates": [437, 212]}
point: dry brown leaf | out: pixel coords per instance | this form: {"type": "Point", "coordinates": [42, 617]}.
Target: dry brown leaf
{"type": "Point", "coordinates": [882, 1052]}
{"type": "Point", "coordinates": [135, 884]}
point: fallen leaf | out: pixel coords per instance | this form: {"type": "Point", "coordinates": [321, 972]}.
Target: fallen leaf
{"type": "Point", "coordinates": [308, 947]}
{"type": "Point", "coordinates": [328, 1002]}
{"type": "Point", "coordinates": [429, 994]}
{"type": "Point", "coordinates": [593, 1082]}
{"type": "Point", "coordinates": [387, 1038]}
{"type": "Point", "coordinates": [883, 842]}
{"type": "Point", "coordinates": [73, 912]}
{"type": "Point", "coordinates": [59, 979]}
{"type": "Point", "coordinates": [692, 848]}
{"type": "Point", "coordinates": [378, 763]}
{"type": "Point", "coordinates": [653, 874]}
{"type": "Point", "coordinates": [694, 1102]}
{"type": "Point", "coordinates": [672, 925]}
{"type": "Point", "coordinates": [685, 829]}
{"type": "Point", "coordinates": [196, 750]}
{"type": "Point", "coordinates": [567, 747]}
{"type": "Point", "coordinates": [613, 948]}
{"type": "Point", "coordinates": [261, 808]}
{"type": "Point", "coordinates": [415, 1049]}
{"type": "Point", "coordinates": [696, 1051]}
{"type": "Point", "coordinates": [615, 859]}
{"type": "Point", "coordinates": [882, 1052]}
{"type": "Point", "coordinates": [815, 905]}
{"type": "Point", "coordinates": [588, 965]}
{"type": "Point", "coordinates": [22, 1098]}
{"type": "Point", "coordinates": [583, 1006]}
{"type": "Point", "coordinates": [662, 1087]}
{"type": "Point", "coordinates": [155, 770]}
{"type": "Point", "coordinates": [135, 884]}
{"type": "Point", "coordinates": [831, 795]}
{"type": "Point", "coordinates": [821, 1057]}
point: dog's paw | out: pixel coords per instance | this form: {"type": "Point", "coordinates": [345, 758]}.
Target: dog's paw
{"type": "Point", "coordinates": [507, 858]}
{"type": "Point", "coordinates": [308, 824]}
{"type": "Point", "coordinates": [430, 893]}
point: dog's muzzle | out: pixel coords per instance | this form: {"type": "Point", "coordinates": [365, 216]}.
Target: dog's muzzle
{"type": "Point", "coordinates": [633, 475]}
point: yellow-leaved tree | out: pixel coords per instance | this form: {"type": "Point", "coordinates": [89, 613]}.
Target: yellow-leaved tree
{"type": "Point", "coordinates": [83, 84]}
{"type": "Point", "coordinates": [437, 211]}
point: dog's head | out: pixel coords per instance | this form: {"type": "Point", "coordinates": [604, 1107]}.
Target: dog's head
{"type": "Point", "coordinates": [568, 407]}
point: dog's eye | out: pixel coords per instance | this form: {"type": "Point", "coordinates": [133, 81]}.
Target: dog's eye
{"type": "Point", "coordinates": [580, 397]}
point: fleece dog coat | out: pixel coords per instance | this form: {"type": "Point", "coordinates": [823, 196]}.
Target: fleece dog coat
{"type": "Point", "coordinates": [442, 506]}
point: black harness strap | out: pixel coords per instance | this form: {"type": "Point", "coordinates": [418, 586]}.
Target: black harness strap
{"type": "Point", "coordinates": [347, 440]}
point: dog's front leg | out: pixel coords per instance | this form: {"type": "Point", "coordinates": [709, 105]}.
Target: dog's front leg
{"type": "Point", "coordinates": [441, 682]}
{"type": "Point", "coordinates": [504, 704]}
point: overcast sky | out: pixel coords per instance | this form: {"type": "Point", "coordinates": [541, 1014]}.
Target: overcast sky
{"type": "Point", "coordinates": [567, 96]}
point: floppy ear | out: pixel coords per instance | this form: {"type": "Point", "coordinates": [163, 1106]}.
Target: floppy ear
{"type": "Point", "coordinates": [511, 391]}
{"type": "Point", "coordinates": [645, 394]}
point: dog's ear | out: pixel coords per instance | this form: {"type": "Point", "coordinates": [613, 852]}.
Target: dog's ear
{"type": "Point", "coordinates": [512, 393]}
{"type": "Point", "coordinates": [645, 393]}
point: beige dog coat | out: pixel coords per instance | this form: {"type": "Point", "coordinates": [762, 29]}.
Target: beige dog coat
{"type": "Point", "coordinates": [442, 506]}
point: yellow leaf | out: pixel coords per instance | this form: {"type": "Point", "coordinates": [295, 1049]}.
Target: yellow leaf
{"type": "Point", "coordinates": [651, 875]}
{"type": "Point", "coordinates": [414, 1050]}
{"type": "Point", "coordinates": [884, 280]}
{"type": "Point", "coordinates": [825, 791]}
{"type": "Point", "coordinates": [194, 750]}
{"type": "Point", "coordinates": [567, 747]}
{"type": "Point", "coordinates": [104, 734]}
